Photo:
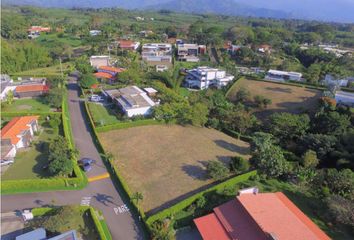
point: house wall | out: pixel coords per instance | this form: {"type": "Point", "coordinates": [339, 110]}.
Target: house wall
{"type": "Point", "coordinates": [138, 111]}
{"type": "Point", "coordinates": [6, 90]}
{"type": "Point", "coordinates": [29, 94]}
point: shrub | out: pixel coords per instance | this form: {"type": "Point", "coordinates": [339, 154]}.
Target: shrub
{"type": "Point", "coordinates": [239, 164]}
{"type": "Point", "coordinates": [217, 170]}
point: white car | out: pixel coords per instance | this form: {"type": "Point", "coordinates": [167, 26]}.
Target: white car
{"type": "Point", "coordinates": [96, 98]}
{"type": "Point", "coordinates": [6, 162]}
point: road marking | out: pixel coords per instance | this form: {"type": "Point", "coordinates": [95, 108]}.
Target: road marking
{"type": "Point", "coordinates": [85, 201]}
{"type": "Point", "coordinates": [99, 177]}
{"type": "Point", "coordinates": [121, 209]}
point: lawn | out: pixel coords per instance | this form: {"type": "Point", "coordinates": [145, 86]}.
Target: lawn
{"type": "Point", "coordinates": [285, 98]}
{"type": "Point", "coordinates": [29, 162]}
{"type": "Point", "coordinates": [27, 105]}
{"type": "Point", "coordinates": [51, 40]}
{"type": "Point", "coordinates": [102, 115]}
{"type": "Point", "coordinates": [65, 219]}
{"type": "Point", "coordinates": [43, 72]}
{"type": "Point", "coordinates": [167, 162]}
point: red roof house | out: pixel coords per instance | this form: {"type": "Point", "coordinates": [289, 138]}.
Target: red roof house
{"type": "Point", "coordinates": [128, 44]}
{"type": "Point", "coordinates": [258, 216]}
{"type": "Point", "coordinates": [108, 73]}
{"type": "Point", "coordinates": [32, 90]}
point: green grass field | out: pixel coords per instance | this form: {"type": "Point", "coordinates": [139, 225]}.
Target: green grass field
{"type": "Point", "coordinates": [102, 115]}
{"type": "Point", "coordinates": [30, 161]}
{"type": "Point", "coordinates": [27, 105]}
{"type": "Point", "coordinates": [42, 72]}
{"type": "Point", "coordinates": [50, 40]}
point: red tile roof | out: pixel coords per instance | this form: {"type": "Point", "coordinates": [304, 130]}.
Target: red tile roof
{"type": "Point", "coordinates": [126, 43]}
{"type": "Point", "coordinates": [111, 69]}
{"type": "Point", "coordinates": [32, 88]}
{"type": "Point", "coordinates": [210, 228]}
{"type": "Point", "coordinates": [255, 216]}
{"type": "Point", "coordinates": [15, 127]}
{"type": "Point", "coordinates": [103, 75]}
{"type": "Point", "coordinates": [39, 29]}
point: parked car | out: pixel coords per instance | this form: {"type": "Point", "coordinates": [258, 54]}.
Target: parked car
{"type": "Point", "coordinates": [86, 163]}
{"type": "Point", "coordinates": [6, 162]}
{"type": "Point", "coordinates": [96, 98]}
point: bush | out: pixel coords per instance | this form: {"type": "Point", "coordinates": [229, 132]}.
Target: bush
{"type": "Point", "coordinates": [217, 170]}
{"type": "Point", "coordinates": [239, 165]}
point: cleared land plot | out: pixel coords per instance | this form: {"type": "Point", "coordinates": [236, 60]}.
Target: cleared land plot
{"type": "Point", "coordinates": [46, 71]}
{"type": "Point", "coordinates": [102, 115]}
{"type": "Point", "coordinates": [284, 98]}
{"type": "Point", "coordinates": [167, 162]}
{"type": "Point", "coordinates": [29, 161]}
{"type": "Point", "coordinates": [27, 105]}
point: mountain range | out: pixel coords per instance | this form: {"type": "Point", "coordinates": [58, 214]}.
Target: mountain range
{"type": "Point", "coordinates": [327, 10]}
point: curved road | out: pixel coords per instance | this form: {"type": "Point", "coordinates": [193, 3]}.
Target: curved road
{"type": "Point", "coordinates": [101, 194]}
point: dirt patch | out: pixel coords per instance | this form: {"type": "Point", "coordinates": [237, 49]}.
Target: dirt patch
{"type": "Point", "coordinates": [167, 163]}
{"type": "Point", "coordinates": [284, 98]}
{"type": "Point", "coordinates": [24, 107]}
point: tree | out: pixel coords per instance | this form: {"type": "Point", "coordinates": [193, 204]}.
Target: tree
{"type": "Point", "coordinates": [81, 64]}
{"type": "Point", "coordinates": [217, 170]}
{"type": "Point", "coordinates": [320, 143]}
{"type": "Point", "coordinates": [137, 197]}
{"type": "Point", "coordinates": [162, 230]}
{"type": "Point", "coordinates": [55, 97]}
{"type": "Point", "coordinates": [309, 159]}
{"type": "Point", "coordinates": [240, 120]}
{"type": "Point", "coordinates": [239, 164]}
{"type": "Point", "coordinates": [287, 126]}
{"type": "Point", "coordinates": [313, 73]}
{"type": "Point", "coordinates": [10, 97]}
{"type": "Point", "coordinates": [60, 157]}
{"type": "Point", "coordinates": [268, 157]}
{"type": "Point", "coordinates": [341, 210]}
{"type": "Point", "coordinates": [87, 80]}
{"type": "Point", "coordinates": [261, 101]}
{"type": "Point", "coordinates": [242, 95]}
{"type": "Point", "coordinates": [332, 123]}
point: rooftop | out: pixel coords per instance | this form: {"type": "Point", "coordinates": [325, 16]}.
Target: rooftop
{"type": "Point", "coordinates": [131, 97]}
{"type": "Point", "coordinates": [258, 216]}
{"type": "Point", "coordinates": [32, 88]}
{"type": "Point", "coordinates": [103, 75]}
{"type": "Point", "coordinates": [111, 69]}
{"type": "Point", "coordinates": [15, 127]}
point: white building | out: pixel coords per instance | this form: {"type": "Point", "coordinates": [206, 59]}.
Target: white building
{"type": "Point", "coordinates": [330, 80]}
{"type": "Point", "coordinates": [189, 52]}
{"type": "Point", "coordinates": [95, 32]}
{"type": "Point", "coordinates": [6, 86]}
{"type": "Point", "coordinates": [282, 76]}
{"type": "Point", "coordinates": [204, 77]}
{"type": "Point", "coordinates": [346, 98]}
{"type": "Point", "coordinates": [132, 100]}
{"type": "Point", "coordinates": [157, 54]}
{"type": "Point", "coordinates": [99, 61]}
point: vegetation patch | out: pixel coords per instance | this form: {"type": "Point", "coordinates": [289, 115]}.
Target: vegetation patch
{"type": "Point", "coordinates": [166, 163]}
{"type": "Point", "coordinates": [26, 105]}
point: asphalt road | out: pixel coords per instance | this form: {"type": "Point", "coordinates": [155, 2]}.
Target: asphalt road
{"type": "Point", "coordinates": [100, 194]}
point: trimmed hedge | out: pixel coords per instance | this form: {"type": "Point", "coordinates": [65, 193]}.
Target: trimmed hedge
{"type": "Point", "coordinates": [188, 201]}
{"type": "Point", "coordinates": [131, 124]}
{"type": "Point", "coordinates": [79, 180]}
{"type": "Point", "coordinates": [237, 135]}
{"type": "Point", "coordinates": [104, 235]}
{"type": "Point", "coordinates": [18, 114]}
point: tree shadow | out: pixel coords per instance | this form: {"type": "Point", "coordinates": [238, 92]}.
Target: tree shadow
{"type": "Point", "coordinates": [104, 199]}
{"type": "Point", "coordinates": [232, 147]}
{"type": "Point", "coordinates": [41, 160]}
{"type": "Point", "coordinates": [195, 171]}
{"type": "Point", "coordinates": [279, 89]}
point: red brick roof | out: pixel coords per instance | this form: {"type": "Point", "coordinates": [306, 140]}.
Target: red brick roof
{"type": "Point", "coordinates": [210, 228]}
{"type": "Point", "coordinates": [255, 216]}
{"type": "Point", "coordinates": [32, 88]}
{"type": "Point", "coordinates": [39, 29]}
{"type": "Point", "coordinates": [15, 127]}
{"type": "Point", "coordinates": [111, 69]}
{"type": "Point", "coordinates": [126, 43]}
{"type": "Point", "coordinates": [103, 75]}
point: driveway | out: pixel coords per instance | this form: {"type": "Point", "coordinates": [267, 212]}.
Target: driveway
{"type": "Point", "coordinates": [101, 194]}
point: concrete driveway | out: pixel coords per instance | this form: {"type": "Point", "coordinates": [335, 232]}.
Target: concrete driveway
{"type": "Point", "coordinates": [101, 194]}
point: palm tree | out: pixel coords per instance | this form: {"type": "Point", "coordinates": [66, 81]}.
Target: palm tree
{"type": "Point", "coordinates": [172, 78]}
{"type": "Point", "coordinates": [137, 196]}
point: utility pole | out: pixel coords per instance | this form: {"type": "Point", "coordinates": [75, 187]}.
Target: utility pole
{"type": "Point", "coordinates": [61, 68]}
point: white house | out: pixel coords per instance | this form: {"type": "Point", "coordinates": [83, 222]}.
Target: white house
{"type": "Point", "coordinates": [204, 77]}
{"type": "Point", "coordinates": [282, 76]}
{"type": "Point", "coordinates": [331, 80]}
{"type": "Point", "coordinates": [132, 100]}
{"type": "Point", "coordinates": [346, 98]}
{"type": "Point", "coordinates": [99, 61]}
{"type": "Point", "coordinates": [157, 54]}
{"type": "Point", "coordinates": [95, 32]}
{"type": "Point", "coordinates": [18, 133]}
{"type": "Point", "coordinates": [187, 52]}
{"type": "Point", "coordinates": [6, 87]}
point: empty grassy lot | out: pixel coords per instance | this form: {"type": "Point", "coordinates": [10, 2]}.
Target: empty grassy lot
{"type": "Point", "coordinates": [285, 98]}
{"type": "Point", "coordinates": [167, 162]}
{"type": "Point", "coordinates": [43, 72]}
{"type": "Point", "coordinates": [102, 115]}
{"type": "Point", "coordinates": [26, 105]}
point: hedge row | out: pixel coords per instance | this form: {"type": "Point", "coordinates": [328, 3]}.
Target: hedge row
{"type": "Point", "coordinates": [18, 114]}
{"type": "Point", "coordinates": [131, 124]}
{"type": "Point", "coordinates": [104, 235]}
{"type": "Point", "coordinates": [188, 201]}
{"type": "Point", "coordinates": [237, 135]}
{"type": "Point", "coordinates": [79, 180]}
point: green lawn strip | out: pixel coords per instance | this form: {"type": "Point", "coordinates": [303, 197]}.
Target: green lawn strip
{"type": "Point", "coordinates": [100, 224]}
{"type": "Point", "coordinates": [28, 105]}
{"type": "Point", "coordinates": [102, 115]}
{"type": "Point", "coordinates": [53, 39]}
{"type": "Point", "coordinates": [85, 221]}
{"type": "Point", "coordinates": [128, 124]}
{"type": "Point", "coordinates": [42, 72]}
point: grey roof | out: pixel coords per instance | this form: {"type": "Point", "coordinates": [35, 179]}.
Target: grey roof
{"type": "Point", "coordinates": [4, 84]}
{"type": "Point", "coordinates": [70, 235]}
{"type": "Point", "coordinates": [38, 234]}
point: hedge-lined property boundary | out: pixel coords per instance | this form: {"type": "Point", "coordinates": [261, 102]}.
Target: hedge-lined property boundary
{"type": "Point", "coordinates": [130, 124]}
{"type": "Point", "coordinates": [79, 180]}
{"type": "Point", "coordinates": [100, 225]}
{"type": "Point", "coordinates": [188, 201]}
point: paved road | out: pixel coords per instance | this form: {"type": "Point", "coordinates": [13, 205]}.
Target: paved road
{"type": "Point", "coordinates": [100, 194]}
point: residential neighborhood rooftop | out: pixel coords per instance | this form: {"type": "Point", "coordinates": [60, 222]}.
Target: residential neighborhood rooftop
{"type": "Point", "coordinates": [15, 127]}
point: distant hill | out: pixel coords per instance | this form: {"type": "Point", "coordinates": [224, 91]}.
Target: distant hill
{"type": "Point", "coordinates": [225, 7]}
